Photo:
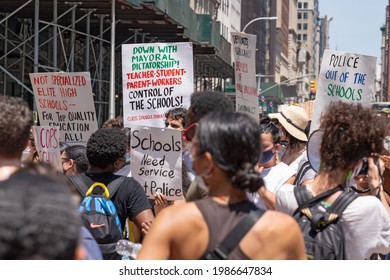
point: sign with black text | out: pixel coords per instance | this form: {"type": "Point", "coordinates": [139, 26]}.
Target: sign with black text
{"type": "Point", "coordinates": [156, 160]}
{"type": "Point", "coordinates": [245, 57]}
{"type": "Point", "coordinates": [65, 100]}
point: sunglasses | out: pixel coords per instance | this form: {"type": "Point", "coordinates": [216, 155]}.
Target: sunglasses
{"type": "Point", "coordinates": [65, 159]}
{"type": "Point", "coordinates": [189, 132]}
{"type": "Point", "coordinates": [269, 121]}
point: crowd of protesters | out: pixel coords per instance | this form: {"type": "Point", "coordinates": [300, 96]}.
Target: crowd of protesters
{"type": "Point", "coordinates": [231, 165]}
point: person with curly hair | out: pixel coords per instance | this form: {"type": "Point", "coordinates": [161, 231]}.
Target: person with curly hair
{"type": "Point", "coordinates": [15, 124]}
{"type": "Point", "coordinates": [349, 134]}
{"type": "Point", "coordinates": [39, 219]}
{"type": "Point", "coordinates": [106, 150]}
{"type": "Point", "coordinates": [113, 122]}
{"type": "Point", "coordinates": [191, 230]}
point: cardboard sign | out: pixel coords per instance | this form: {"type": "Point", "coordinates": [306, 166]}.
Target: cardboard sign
{"type": "Point", "coordinates": [344, 77]}
{"type": "Point", "coordinates": [65, 100]}
{"type": "Point", "coordinates": [47, 144]}
{"type": "Point", "coordinates": [156, 160]}
{"type": "Point", "coordinates": [244, 46]}
{"type": "Point", "coordinates": [157, 77]}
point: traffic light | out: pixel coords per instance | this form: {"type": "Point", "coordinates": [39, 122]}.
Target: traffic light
{"type": "Point", "coordinates": [313, 86]}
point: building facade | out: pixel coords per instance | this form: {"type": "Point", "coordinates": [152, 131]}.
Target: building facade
{"type": "Point", "coordinates": [60, 35]}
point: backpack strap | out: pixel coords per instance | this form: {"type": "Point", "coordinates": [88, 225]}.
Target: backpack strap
{"type": "Point", "coordinates": [114, 185]}
{"type": "Point", "coordinates": [314, 200]}
{"type": "Point", "coordinates": [342, 202]}
{"type": "Point", "coordinates": [222, 251]}
{"type": "Point", "coordinates": [301, 172]}
{"type": "Point", "coordinates": [331, 215]}
{"type": "Point", "coordinates": [82, 186]}
{"type": "Point", "coordinates": [301, 194]}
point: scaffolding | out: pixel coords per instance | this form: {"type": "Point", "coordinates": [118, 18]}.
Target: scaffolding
{"type": "Point", "coordinates": [57, 35]}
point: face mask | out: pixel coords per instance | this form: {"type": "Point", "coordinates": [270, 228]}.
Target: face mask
{"type": "Point", "coordinates": [267, 156]}
{"type": "Point", "coordinates": [200, 183]}
{"type": "Point", "coordinates": [25, 153]}
{"type": "Point", "coordinates": [349, 182]}
{"type": "Point", "coordinates": [127, 157]}
{"type": "Point", "coordinates": [386, 143]}
{"type": "Point", "coordinates": [359, 169]}
{"type": "Point", "coordinates": [199, 177]}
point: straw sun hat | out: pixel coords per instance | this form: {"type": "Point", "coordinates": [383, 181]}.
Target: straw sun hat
{"type": "Point", "coordinates": [294, 119]}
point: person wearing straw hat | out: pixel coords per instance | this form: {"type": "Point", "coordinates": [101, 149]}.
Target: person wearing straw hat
{"type": "Point", "coordinates": [293, 121]}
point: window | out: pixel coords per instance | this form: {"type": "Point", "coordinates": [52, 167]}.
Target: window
{"type": "Point", "coordinates": [225, 6]}
{"type": "Point", "coordinates": [299, 5]}
{"type": "Point", "coordinates": [305, 26]}
{"type": "Point", "coordinates": [304, 38]}
{"type": "Point", "coordinates": [305, 15]}
{"type": "Point", "coordinates": [299, 37]}
{"type": "Point", "coordinates": [305, 6]}
{"type": "Point", "coordinates": [299, 15]}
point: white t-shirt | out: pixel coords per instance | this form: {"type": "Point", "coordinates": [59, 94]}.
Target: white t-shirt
{"type": "Point", "coordinates": [365, 223]}
{"type": "Point", "coordinates": [274, 177]}
{"type": "Point", "coordinates": [295, 163]}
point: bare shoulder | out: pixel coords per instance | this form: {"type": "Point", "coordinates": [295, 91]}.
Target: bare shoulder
{"type": "Point", "coordinates": [274, 223]}
{"type": "Point", "coordinates": [178, 232]}
{"type": "Point", "coordinates": [274, 236]}
{"type": "Point", "coordinates": [181, 211]}
{"type": "Point", "coordinates": [277, 219]}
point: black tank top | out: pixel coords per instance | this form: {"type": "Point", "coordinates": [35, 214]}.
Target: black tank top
{"type": "Point", "coordinates": [220, 220]}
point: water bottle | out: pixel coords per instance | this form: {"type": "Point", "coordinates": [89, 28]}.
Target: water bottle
{"type": "Point", "coordinates": [127, 249]}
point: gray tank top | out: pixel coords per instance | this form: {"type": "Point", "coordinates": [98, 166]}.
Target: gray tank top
{"type": "Point", "coordinates": [220, 220]}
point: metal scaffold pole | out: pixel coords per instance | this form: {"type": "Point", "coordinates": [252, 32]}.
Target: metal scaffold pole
{"type": "Point", "coordinates": [36, 51]}
{"type": "Point", "coordinates": [112, 64]}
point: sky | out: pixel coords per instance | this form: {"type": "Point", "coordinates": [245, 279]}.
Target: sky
{"type": "Point", "coordinates": [355, 26]}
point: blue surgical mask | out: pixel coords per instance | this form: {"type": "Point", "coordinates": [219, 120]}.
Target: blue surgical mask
{"type": "Point", "coordinates": [267, 156]}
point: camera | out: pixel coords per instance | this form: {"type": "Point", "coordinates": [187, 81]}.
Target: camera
{"type": "Point", "coordinates": [364, 169]}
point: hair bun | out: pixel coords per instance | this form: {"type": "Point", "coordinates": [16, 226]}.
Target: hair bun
{"type": "Point", "coordinates": [247, 178]}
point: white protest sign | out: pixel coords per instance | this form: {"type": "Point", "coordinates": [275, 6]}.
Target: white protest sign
{"type": "Point", "coordinates": [47, 144]}
{"type": "Point", "coordinates": [156, 160]}
{"type": "Point", "coordinates": [157, 77]}
{"type": "Point", "coordinates": [244, 56]}
{"type": "Point", "coordinates": [344, 77]}
{"type": "Point", "coordinates": [65, 100]}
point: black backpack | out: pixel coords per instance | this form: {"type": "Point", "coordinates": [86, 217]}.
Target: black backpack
{"type": "Point", "coordinates": [323, 235]}
{"type": "Point", "coordinates": [99, 214]}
